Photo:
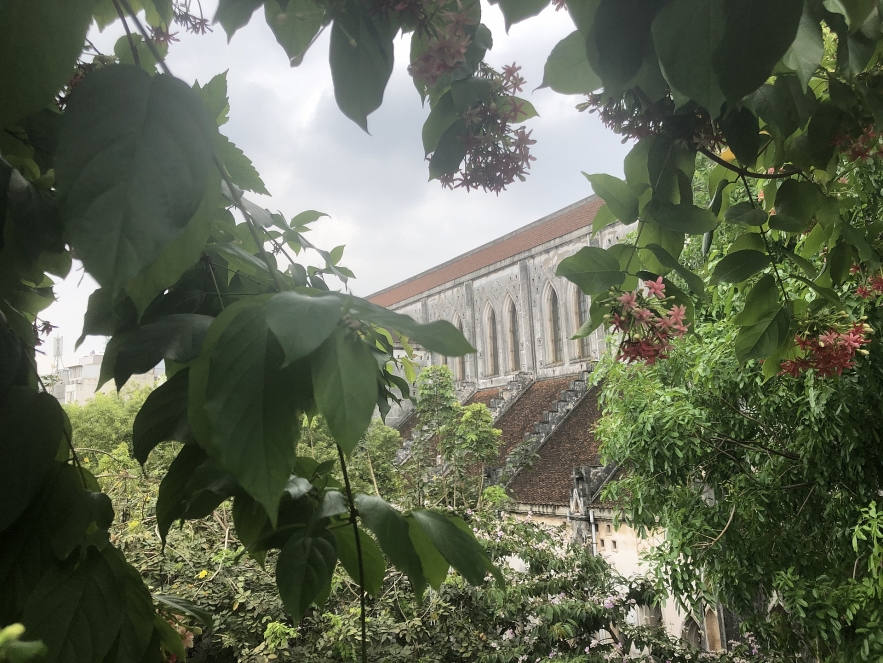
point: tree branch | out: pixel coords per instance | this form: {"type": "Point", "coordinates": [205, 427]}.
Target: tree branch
{"type": "Point", "coordinates": [116, 5]}
{"type": "Point", "coordinates": [354, 521]}
{"type": "Point", "coordinates": [744, 171]}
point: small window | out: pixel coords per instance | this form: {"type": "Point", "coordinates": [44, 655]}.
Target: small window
{"type": "Point", "coordinates": [491, 367]}
{"type": "Point", "coordinates": [608, 529]}
{"type": "Point", "coordinates": [514, 339]}
{"type": "Point", "coordinates": [461, 360]}
{"type": "Point", "coordinates": [613, 545]}
{"type": "Point", "coordinates": [602, 543]}
{"type": "Point", "coordinates": [555, 345]}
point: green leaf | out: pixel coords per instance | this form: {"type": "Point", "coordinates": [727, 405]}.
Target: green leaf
{"type": "Point", "coordinates": [515, 11]}
{"type": "Point", "coordinates": [301, 323]}
{"type": "Point", "coordinates": [249, 519]}
{"type": "Point", "coordinates": [746, 214]}
{"type": "Point", "coordinates": [33, 428]}
{"type": "Point", "coordinates": [169, 637]}
{"type": "Point", "coordinates": [457, 545]}
{"type": "Point", "coordinates": [686, 34]}
{"type": "Point", "coordinates": [137, 627]}
{"type": "Point", "coordinates": [594, 270]}
{"type": "Point", "coordinates": [806, 51]}
{"type": "Point", "coordinates": [247, 402]}
{"type": "Point", "coordinates": [173, 490]}
{"type": "Point", "coordinates": [439, 336]}
{"type": "Point", "coordinates": [687, 219]}
{"type": "Point", "coordinates": [840, 259]}
{"type": "Point", "coordinates": [345, 386]}
{"type": "Point", "coordinates": [765, 337]}
{"type": "Point", "coordinates": [235, 14]}
{"type": "Point", "coordinates": [758, 33]}
{"type": "Point", "coordinates": [76, 610]}
{"type": "Point", "coordinates": [796, 204]}
{"type": "Point", "coordinates": [603, 218]}
{"type": "Point", "coordinates": [181, 253]}
{"type": "Point", "coordinates": [441, 117]}
{"type": "Point", "coordinates": [361, 60]}
{"type": "Point", "coordinates": [435, 566]}
{"type": "Point", "coordinates": [185, 607]}
{"type": "Point", "coordinates": [617, 40]}
{"type": "Point", "coordinates": [738, 266]}
{"type": "Point", "coordinates": [742, 133]}
{"type": "Point", "coordinates": [786, 105]}
{"type": "Point", "coordinates": [163, 416]}
{"type": "Point", "coordinates": [620, 199]}
{"type": "Point", "coordinates": [304, 569]}
{"type": "Point", "coordinates": [373, 562]}
{"type": "Point", "coordinates": [391, 530]}
{"type": "Point", "coordinates": [827, 293]}
{"type": "Point", "coordinates": [761, 301]}
{"type": "Point", "coordinates": [131, 170]}
{"type": "Point", "coordinates": [176, 337]}
{"type": "Point", "coordinates": [40, 41]}
{"type": "Point", "coordinates": [694, 282]}
{"type": "Point", "coordinates": [567, 70]}
{"type": "Point", "coordinates": [295, 27]}
{"type": "Point", "coordinates": [450, 151]}
{"type": "Point", "coordinates": [240, 168]}
{"type": "Point", "coordinates": [214, 96]}
{"type": "Point", "coordinates": [652, 233]}
{"type": "Point", "coordinates": [854, 11]}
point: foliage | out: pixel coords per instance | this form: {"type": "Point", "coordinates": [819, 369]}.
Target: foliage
{"type": "Point", "coordinates": [763, 488]}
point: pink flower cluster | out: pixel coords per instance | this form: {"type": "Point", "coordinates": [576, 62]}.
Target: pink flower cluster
{"type": "Point", "coordinates": [871, 288]}
{"type": "Point", "coordinates": [829, 353]}
{"type": "Point", "coordinates": [648, 326]}
{"type": "Point", "coordinates": [446, 50]}
{"type": "Point", "coordinates": [864, 148]}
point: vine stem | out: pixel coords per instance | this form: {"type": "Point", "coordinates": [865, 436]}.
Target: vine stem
{"type": "Point", "coordinates": [237, 197]}
{"type": "Point", "coordinates": [766, 243]}
{"type": "Point", "coordinates": [353, 520]}
{"type": "Point", "coordinates": [744, 172]}
{"type": "Point", "coordinates": [116, 5]}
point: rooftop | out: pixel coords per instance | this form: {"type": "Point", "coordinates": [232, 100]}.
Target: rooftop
{"type": "Point", "coordinates": [558, 224]}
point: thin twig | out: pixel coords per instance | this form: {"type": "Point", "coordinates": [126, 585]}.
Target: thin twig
{"type": "Point", "coordinates": [122, 16]}
{"type": "Point", "coordinates": [147, 39]}
{"type": "Point", "coordinates": [211, 270]}
{"type": "Point", "coordinates": [353, 519]}
{"type": "Point", "coordinates": [805, 500]}
{"type": "Point", "coordinates": [726, 527]}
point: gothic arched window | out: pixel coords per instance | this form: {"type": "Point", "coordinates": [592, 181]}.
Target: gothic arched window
{"type": "Point", "coordinates": [461, 360]}
{"type": "Point", "coordinates": [491, 363]}
{"type": "Point", "coordinates": [582, 315]}
{"type": "Point", "coordinates": [514, 339]}
{"type": "Point", "coordinates": [555, 341]}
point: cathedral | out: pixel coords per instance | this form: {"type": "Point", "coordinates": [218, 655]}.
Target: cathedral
{"type": "Point", "coordinates": [506, 299]}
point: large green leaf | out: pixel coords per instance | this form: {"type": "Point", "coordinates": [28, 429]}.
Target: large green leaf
{"type": "Point", "coordinates": [185, 607]}
{"type": "Point", "coordinates": [806, 51]}
{"type": "Point", "coordinates": [515, 11]}
{"type": "Point", "coordinates": [449, 152]}
{"type": "Point", "coordinates": [617, 40]}
{"type": "Point", "coordinates": [761, 339]}
{"type": "Point", "coordinates": [345, 386]}
{"type": "Point", "coordinates": [567, 70]}
{"type": "Point", "coordinates": [620, 199]}
{"type": "Point", "coordinates": [593, 269]}
{"type": "Point", "coordinates": [137, 627]}
{"type": "Point", "coordinates": [294, 27]}
{"type": "Point", "coordinates": [796, 202]}
{"type": "Point", "coordinates": [131, 170]}
{"type": "Point", "coordinates": [302, 323]}
{"type": "Point", "coordinates": [40, 41]}
{"type": "Point", "coordinates": [742, 133]}
{"type": "Point", "coordinates": [746, 214]}
{"type": "Point", "coordinates": [304, 569]}
{"type": "Point", "coordinates": [439, 336]}
{"type": "Point", "coordinates": [738, 266]}
{"type": "Point", "coordinates": [249, 519]}
{"type": "Point", "coordinates": [250, 411]}
{"type": "Point", "coordinates": [235, 14]}
{"type": "Point", "coordinates": [177, 337]}
{"type": "Point", "coordinates": [163, 416]}
{"type": "Point", "coordinates": [441, 117]}
{"type": "Point", "coordinates": [33, 429]}
{"type": "Point", "coordinates": [758, 33]}
{"type": "Point", "coordinates": [686, 34]}
{"type": "Point", "coordinates": [391, 530]}
{"type": "Point", "coordinates": [761, 301]}
{"type": "Point", "coordinates": [686, 218]}
{"type": "Point", "coordinates": [361, 60]}
{"type": "Point", "coordinates": [240, 168]}
{"type": "Point", "coordinates": [373, 562]}
{"type": "Point", "coordinates": [173, 490]}
{"type": "Point", "coordinates": [76, 610]}
{"type": "Point", "coordinates": [435, 566]}
{"type": "Point", "coordinates": [454, 541]}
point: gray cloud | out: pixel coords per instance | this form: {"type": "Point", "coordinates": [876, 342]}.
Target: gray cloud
{"type": "Point", "coordinates": [394, 222]}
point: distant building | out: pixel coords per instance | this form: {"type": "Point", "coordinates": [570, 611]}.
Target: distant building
{"type": "Point", "coordinates": [78, 383]}
{"type": "Point", "coordinates": [506, 299]}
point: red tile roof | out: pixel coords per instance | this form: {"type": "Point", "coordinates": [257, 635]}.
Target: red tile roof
{"type": "Point", "coordinates": [573, 444]}
{"type": "Point", "coordinates": [563, 222]}
{"type": "Point", "coordinates": [483, 396]}
{"type": "Point", "coordinates": [528, 410]}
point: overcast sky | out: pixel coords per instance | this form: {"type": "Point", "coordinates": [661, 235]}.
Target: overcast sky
{"type": "Point", "coordinates": [393, 222]}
